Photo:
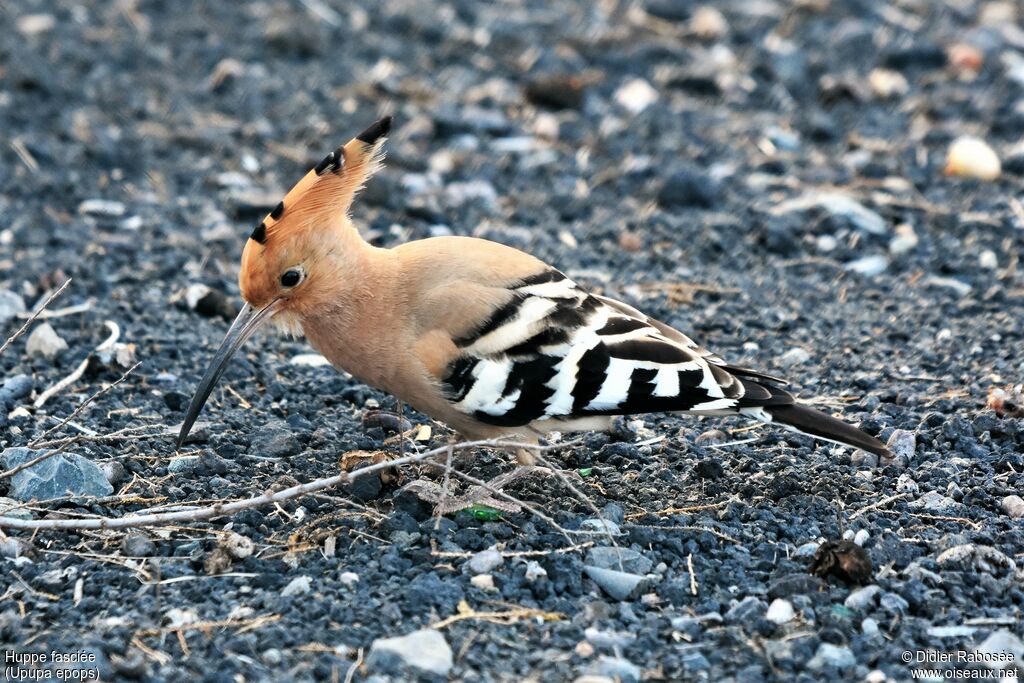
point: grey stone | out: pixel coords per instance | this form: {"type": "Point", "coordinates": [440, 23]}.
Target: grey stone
{"type": "Point", "coordinates": [485, 561]}
{"type": "Point", "coordinates": [297, 586]}
{"type": "Point", "coordinates": [869, 627]}
{"type": "Point", "coordinates": [933, 501]}
{"type": "Point", "coordinates": [44, 341]}
{"type": "Point", "coordinates": [616, 668]}
{"type": "Point", "coordinates": [608, 640]}
{"type": "Point", "coordinates": [862, 598]}
{"type": "Point", "coordinates": [10, 306]}
{"type": "Point", "coordinates": [619, 585]}
{"type": "Point", "coordinates": [807, 549]}
{"type": "Point", "coordinates": [12, 508]}
{"type": "Point", "coordinates": [1013, 506]}
{"type": "Point", "coordinates": [828, 655]}
{"type": "Point", "coordinates": [275, 440]}
{"type": "Point", "coordinates": [425, 651]}
{"type": "Point", "coordinates": [952, 631]}
{"type": "Point", "coordinates": [183, 465]}
{"type": "Point", "coordinates": [55, 477]}
{"type": "Point", "coordinates": [795, 356]}
{"type": "Point", "coordinates": [137, 545]}
{"type": "Point", "coordinates": [604, 526]}
{"type": "Point", "coordinates": [535, 572]}
{"type": "Point", "coordinates": [893, 603]}
{"type": "Point", "coordinates": [746, 609]}
{"type": "Point", "coordinates": [1000, 645]}
{"type": "Point", "coordinates": [607, 557]}
{"type": "Point", "coordinates": [15, 388]}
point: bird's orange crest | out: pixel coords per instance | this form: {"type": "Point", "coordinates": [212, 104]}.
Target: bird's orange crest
{"type": "Point", "coordinates": [319, 201]}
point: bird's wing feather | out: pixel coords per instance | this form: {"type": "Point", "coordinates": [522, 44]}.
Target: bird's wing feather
{"type": "Point", "coordinates": [551, 350]}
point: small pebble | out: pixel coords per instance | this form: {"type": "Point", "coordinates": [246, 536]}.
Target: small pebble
{"type": "Point", "coordinates": [966, 58]}
{"type": "Point", "coordinates": [349, 578]}
{"type": "Point", "coordinates": [988, 260]}
{"type": "Point", "coordinates": [868, 266]}
{"type": "Point", "coordinates": [971, 157]}
{"type": "Point", "coordinates": [1013, 506]}
{"type": "Point", "coordinates": [906, 484]}
{"type": "Point", "coordinates": [483, 582]}
{"type": "Point", "coordinates": [904, 241]}
{"type": "Point", "coordinates": [795, 356]}
{"type": "Point", "coordinates": [485, 561]}
{"type": "Point", "coordinates": [707, 23]}
{"type": "Point", "coordinates": [619, 585]}
{"type": "Point", "coordinates": [297, 586]}
{"type": "Point", "coordinates": [309, 360]}
{"type": "Point", "coordinates": [636, 95]}
{"type": "Point", "coordinates": [861, 537]}
{"type": "Point", "coordinates": [425, 650]}
{"type": "Point", "coordinates": [31, 25]}
{"type": "Point", "coordinates": [902, 444]}
{"type": "Point", "coordinates": [238, 546]}
{"type": "Point", "coordinates": [101, 208]}
{"type": "Point", "coordinates": [780, 611]}
{"type": "Point", "coordinates": [44, 341]}
{"type": "Point", "coordinates": [10, 306]}
{"type": "Point", "coordinates": [862, 598]}
{"type": "Point", "coordinates": [617, 668]}
{"type": "Point", "coordinates": [535, 572]}
{"type": "Point", "coordinates": [137, 545]}
{"type": "Point", "coordinates": [886, 83]}
{"type": "Point", "coordinates": [834, 656]}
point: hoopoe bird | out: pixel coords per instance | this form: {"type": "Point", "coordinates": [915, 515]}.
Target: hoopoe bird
{"type": "Point", "coordinates": [480, 336]}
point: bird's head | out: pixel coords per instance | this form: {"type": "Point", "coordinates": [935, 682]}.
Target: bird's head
{"type": "Point", "coordinates": [296, 252]}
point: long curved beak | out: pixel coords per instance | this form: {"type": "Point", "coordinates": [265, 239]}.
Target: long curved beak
{"type": "Point", "coordinates": [248, 321]}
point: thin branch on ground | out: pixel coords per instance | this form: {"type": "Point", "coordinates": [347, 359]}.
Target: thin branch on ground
{"type": "Point", "coordinates": [230, 508]}
{"type": "Point", "coordinates": [76, 374]}
{"type": "Point", "coordinates": [32, 318]}
{"type": "Point", "coordinates": [35, 461]}
{"type": "Point", "coordinates": [85, 404]}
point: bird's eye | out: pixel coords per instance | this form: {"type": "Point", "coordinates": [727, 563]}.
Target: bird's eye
{"type": "Point", "coordinates": [291, 277]}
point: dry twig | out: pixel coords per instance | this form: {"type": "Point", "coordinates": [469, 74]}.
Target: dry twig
{"type": "Point", "coordinates": [32, 318]}
{"type": "Point", "coordinates": [225, 509]}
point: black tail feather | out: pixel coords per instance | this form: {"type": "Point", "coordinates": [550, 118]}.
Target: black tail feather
{"type": "Point", "coordinates": [817, 423]}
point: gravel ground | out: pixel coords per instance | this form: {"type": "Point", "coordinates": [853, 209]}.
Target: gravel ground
{"type": "Point", "coordinates": [769, 176]}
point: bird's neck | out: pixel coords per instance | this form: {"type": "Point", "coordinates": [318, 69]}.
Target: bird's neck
{"type": "Point", "coordinates": [354, 317]}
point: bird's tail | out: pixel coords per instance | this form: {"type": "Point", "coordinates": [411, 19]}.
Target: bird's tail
{"type": "Point", "coordinates": [819, 425]}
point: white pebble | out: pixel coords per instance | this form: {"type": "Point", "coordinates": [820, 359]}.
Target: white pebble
{"type": "Point", "coordinates": [1013, 505]}
{"type": "Point", "coordinates": [34, 24]}
{"type": "Point", "coordinates": [971, 157]}
{"type": "Point", "coordinates": [238, 546]}
{"type": "Point", "coordinates": [636, 95]}
{"type": "Point", "coordinates": [297, 586]}
{"type": "Point", "coordinates": [780, 611]}
{"type": "Point", "coordinates": [310, 360]}
{"type": "Point", "coordinates": [707, 23]}
{"type": "Point", "coordinates": [861, 537]}
{"type": "Point", "coordinates": [868, 266]}
{"type": "Point", "coordinates": [904, 240]}
{"type": "Point", "coordinates": [349, 578]}
{"type": "Point", "coordinates": [885, 83]}
{"type": "Point", "coordinates": [795, 356]}
{"type": "Point", "coordinates": [988, 260]}
{"type": "Point", "coordinates": [483, 582]}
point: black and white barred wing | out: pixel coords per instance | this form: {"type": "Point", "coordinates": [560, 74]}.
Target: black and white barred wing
{"type": "Point", "coordinates": [554, 351]}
